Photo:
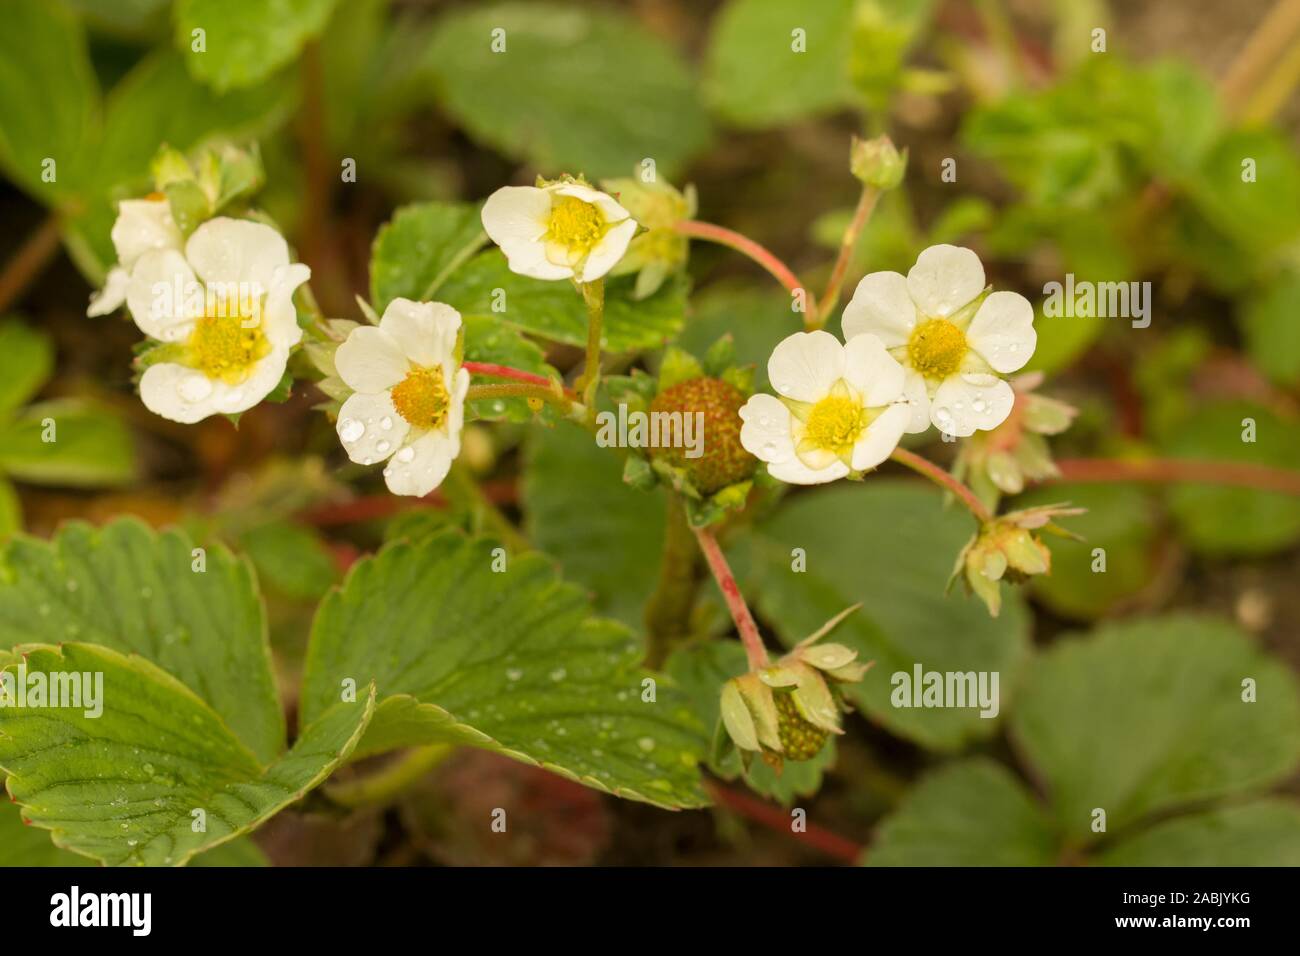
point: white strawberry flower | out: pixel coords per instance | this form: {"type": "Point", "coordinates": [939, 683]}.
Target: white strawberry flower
{"type": "Point", "coordinates": [955, 340]}
{"type": "Point", "coordinates": [839, 409]}
{"type": "Point", "coordinates": [409, 401]}
{"type": "Point", "coordinates": [223, 308]}
{"type": "Point", "coordinates": [142, 225]}
{"type": "Point", "coordinates": [564, 230]}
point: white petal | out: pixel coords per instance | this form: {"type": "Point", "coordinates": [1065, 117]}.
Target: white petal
{"type": "Point", "coordinates": [424, 331]}
{"type": "Point", "coordinates": [805, 365]}
{"type": "Point", "coordinates": [607, 204]}
{"type": "Point", "coordinates": [516, 213]}
{"type": "Point", "coordinates": [944, 279]}
{"type": "Point", "coordinates": [370, 360]}
{"type": "Point", "coordinates": [420, 467]}
{"type": "Point", "coordinates": [279, 316]}
{"type": "Point", "coordinates": [186, 395]}
{"type": "Point", "coordinates": [765, 433]}
{"type": "Point", "coordinates": [163, 295]}
{"type": "Point", "coordinates": [142, 225]}
{"type": "Point", "coordinates": [1002, 331]}
{"type": "Point", "coordinates": [237, 256]}
{"type": "Point", "coordinates": [606, 253]}
{"type": "Point", "coordinates": [516, 218]}
{"type": "Point", "coordinates": [265, 376]}
{"type": "Point", "coordinates": [965, 404]}
{"type": "Point", "coordinates": [460, 388]}
{"type": "Point", "coordinates": [369, 427]}
{"type": "Point", "coordinates": [881, 438]}
{"type": "Point", "coordinates": [795, 472]}
{"type": "Point", "coordinates": [881, 306]}
{"type": "Point", "coordinates": [918, 402]}
{"type": "Point", "coordinates": [872, 371]}
{"type": "Point", "coordinates": [112, 296]}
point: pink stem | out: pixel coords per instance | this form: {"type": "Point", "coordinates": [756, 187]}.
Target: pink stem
{"type": "Point", "coordinates": [940, 477]}
{"type": "Point", "coordinates": [748, 247]}
{"type": "Point", "coordinates": [519, 375]}
{"type": "Point", "coordinates": [745, 625]}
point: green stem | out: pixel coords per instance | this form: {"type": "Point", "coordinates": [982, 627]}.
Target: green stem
{"type": "Point", "coordinates": [463, 490]}
{"type": "Point", "coordinates": [593, 294]}
{"type": "Point", "coordinates": [866, 204]}
{"type": "Point", "coordinates": [389, 783]}
{"type": "Point", "coordinates": [668, 612]}
{"type": "Point", "coordinates": [523, 390]}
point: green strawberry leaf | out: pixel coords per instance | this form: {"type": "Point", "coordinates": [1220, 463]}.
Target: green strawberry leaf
{"type": "Point", "coordinates": [245, 41]}
{"type": "Point", "coordinates": [24, 845]}
{"type": "Point", "coordinates": [899, 575]}
{"type": "Point", "coordinates": [757, 76]}
{"type": "Point", "coordinates": [57, 125]}
{"type": "Point", "coordinates": [486, 287]}
{"type": "Point", "coordinates": [136, 591]}
{"type": "Point", "coordinates": [1120, 521]}
{"type": "Point", "coordinates": [1149, 715]}
{"type": "Point", "coordinates": [68, 441]}
{"type": "Point", "coordinates": [416, 250]}
{"type": "Point", "coordinates": [510, 661]}
{"type": "Point", "coordinates": [124, 785]}
{"type": "Point", "coordinates": [569, 89]}
{"type": "Point", "coordinates": [1223, 520]}
{"type": "Point", "coordinates": [487, 340]}
{"type": "Point", "coordinates": [1264, 833]}
{"type": "Point", "coordinates": [972, 813]}
{"type": "Point", "coordinates": [604, 535]}
{"type": "Point", "coordinates": [26, 360]}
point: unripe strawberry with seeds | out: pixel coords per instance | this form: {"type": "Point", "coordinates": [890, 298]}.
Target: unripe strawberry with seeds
{"type": "Point", "coordinates": [722, 460]}
{"type": "Point", "coordinates": [800, 738]}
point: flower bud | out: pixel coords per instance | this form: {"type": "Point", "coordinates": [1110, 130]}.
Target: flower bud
{"type": "Point", "coordinates": [877, 162]}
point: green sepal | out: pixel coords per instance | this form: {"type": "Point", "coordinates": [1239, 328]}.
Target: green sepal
{"type": "Point", "coordinates": [638, 473]}
{"type": "Point", "coordinates": [720, 356]}
{"type": "Point", "coordinates": [189, 204]}
{"type": "Point", "coordinates": [678, 366]}
{"type": "Point", "coordinates": [740, 377]}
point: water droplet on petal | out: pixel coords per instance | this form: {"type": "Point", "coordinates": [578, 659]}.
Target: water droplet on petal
{"type": "Point", "coordinates": [194, 387]}
{"type": "Point", "coordinates": [350, 430]}
{"type": "Point", "coordinates": [386, 423]}
{"type": "Point", "coordinates": [405, 454]}
{"type": "Point", "coordinates": [382, 447]}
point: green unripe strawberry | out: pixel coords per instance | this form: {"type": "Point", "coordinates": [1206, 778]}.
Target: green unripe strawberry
{"type": "Point", "coordinates": [800, 740]}
{"type": "Point", "coordinates": [724, 460]}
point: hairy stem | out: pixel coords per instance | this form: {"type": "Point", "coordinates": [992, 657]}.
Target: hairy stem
{"type": "Point", "coordinates": [506, 371]}
{"type": "Point", "coordinates": [1242, 474]}
{"type": "Point", "coordinates": [593, 294]}
{"type": "Point", "coordinates": [386, 785]}
{"type": "Point", "coordinates": [748, 247]}
{"type": "Point", "coordinates": [546, 393]}
{"type": "Point", "coordinates": [32, 256]}
{"type": "Point", "coordinates": [667, 615]}
{"type": "Point", "coordinates": [923, 466]}
{"type": "Point", "coordinates": [745, 626]}
{"type": "Point", "coordinates": [461, 489]}
{"type": "Point", "coordinates": [866, 204]}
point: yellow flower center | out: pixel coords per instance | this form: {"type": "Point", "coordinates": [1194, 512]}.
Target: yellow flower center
{"type": "Point", "coordinates": [222, 347]}
{"type": "Point", "coordinates": [835, 424]}
{"type": "Point", "coordinates": [575, 224]}
{"type": "Point", "coordinates": [936, 348]}
{"type": "Point", "coordinates": [422, 398]}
